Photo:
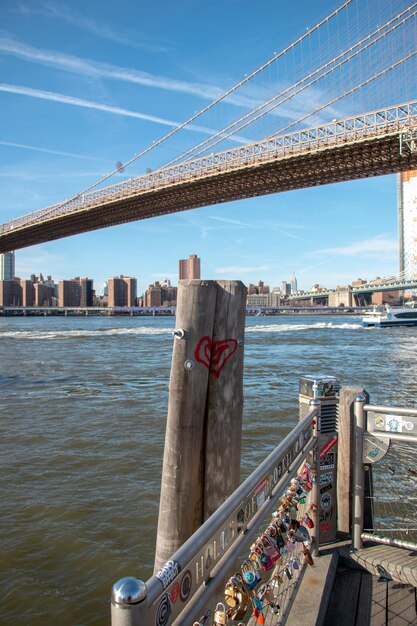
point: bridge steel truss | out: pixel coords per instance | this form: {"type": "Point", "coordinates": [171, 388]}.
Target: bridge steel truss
{"type": "Point", "coordinates": [372, 144]}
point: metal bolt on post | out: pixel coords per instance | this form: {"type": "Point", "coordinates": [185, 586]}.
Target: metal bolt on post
{"type": "Point", "coordinates": [358, 474]}
{"type": "Point", "coordinates": [127, 602]}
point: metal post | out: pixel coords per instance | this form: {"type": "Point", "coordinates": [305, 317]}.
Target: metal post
{"type": "Point", "coordinates": [358, 474]}
{"type": "Point", "coordinates": [316, 404]}
{"type": "Point", "coordinates": [127, 602]}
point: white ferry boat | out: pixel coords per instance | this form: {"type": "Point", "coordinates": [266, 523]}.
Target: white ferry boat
{"type": "Point", "coordinates": [391, 316]}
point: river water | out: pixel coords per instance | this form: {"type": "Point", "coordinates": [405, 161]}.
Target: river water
{"type": "Point", "coordinates": [83, 409]}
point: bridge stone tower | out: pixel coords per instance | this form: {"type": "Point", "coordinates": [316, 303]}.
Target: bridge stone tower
{"type": "Point", "coordinates": [342, 296]}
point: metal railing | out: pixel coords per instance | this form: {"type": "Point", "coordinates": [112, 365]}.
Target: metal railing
{"type": "Point", "coordinates": [386, 438]}
{"type": "Point", "coordinates": [380, 123]}
{"type": "Point", "coordinates": [192, 582]}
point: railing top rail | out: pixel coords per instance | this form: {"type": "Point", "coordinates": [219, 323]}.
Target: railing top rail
{"type": "Point", "coordinates": [390, 410]}
{"type": "Point", "coordinates": [295, 441]}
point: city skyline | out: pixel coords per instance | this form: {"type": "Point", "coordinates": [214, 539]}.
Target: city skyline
{"type": "Point", "coordinates": [188, 268]}
{"type": "Point", "coordinates": [70, 122]}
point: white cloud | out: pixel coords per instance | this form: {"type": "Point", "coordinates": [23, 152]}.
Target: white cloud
{"type": "Point", "coordinates": [87, 67]}
{"type": "Point", "coordinates": [232, 222]}
{"type": "Point", "coordinates": [88, 104]}
{"type": "Point", "coordinates": [236, 269]}
{"type": "Point", "coordinates": [50, 151]}
{"type": "Point", "coordinates": [96, 27]}
{"type": "Point", "coordinates": [380, 247]}
{"type": "Point", "coordinates": [311, 267]}
{"type": "Point", "coordinates": [251, 99]}
{"type": "Point", "coordinates": [260, 225]}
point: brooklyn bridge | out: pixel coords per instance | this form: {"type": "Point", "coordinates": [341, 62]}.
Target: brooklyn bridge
{"type": "Point", "coordinates": [316, 148]}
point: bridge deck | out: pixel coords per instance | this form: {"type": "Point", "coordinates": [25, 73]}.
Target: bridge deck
{"type": "Point", "coordinates": [341, 159]}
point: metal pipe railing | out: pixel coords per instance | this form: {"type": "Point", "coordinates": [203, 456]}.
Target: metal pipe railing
{"type": "Point", "coordinates": [135, 603]}
{"type": "Point", "coordinates": [387, 541]}
{"type": "Point", "coordinates": [390, 410]}
{"type": "Point", "coordinates": [365, 421]}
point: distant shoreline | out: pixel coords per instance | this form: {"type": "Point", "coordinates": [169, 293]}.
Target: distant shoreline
{"type": "Point", "coordinates": [165, 312]}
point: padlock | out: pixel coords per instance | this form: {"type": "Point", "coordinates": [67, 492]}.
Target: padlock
{"type": "Point", "coordinates": [272, 531]}
{"type": "Point", "coordinates": [220, 617]}
{"type": "Point", "coordinates": [295, 563]}
{"type": "Point", "coordinates": [251, 577]}
{"type": "Point", "coordinates": [290, 545]}
{"type": "Point", "coordinates": [275, 608]}
{"type": "Point", "coordinates": [230, 596]}
{"type": "Point", "coordinates": [287, 572]}
{"type": "Point", "coordinates": [270, 549]}
{"type": "Point", "coordinates": [204, 618]}
{"type": "Point", "coordinates": [238, 613]}
{"type": "Point", "coordinates": [301, 534]}
{"type": "Point", "coordinates": [307, 555]}
{"type": "Point", "coordinates": [267, 564]}
{"type": "Point", "coordinates": [266, 593]}
{"type": "Point", "coordinates": [257, 603]}
{"type": "Point", "coordinates": [308, 521]}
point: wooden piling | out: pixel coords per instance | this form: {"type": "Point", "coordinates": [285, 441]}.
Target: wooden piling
{"type": "Point", "coordinates": [181, 501]}
{"type": "Point", "coordinates": [204, 409]}
{"type": "Point", "coordinates": [225, 396]}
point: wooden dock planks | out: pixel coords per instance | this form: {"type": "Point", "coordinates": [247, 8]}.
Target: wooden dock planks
{"type": "Point", "coordinates": [401, 564]}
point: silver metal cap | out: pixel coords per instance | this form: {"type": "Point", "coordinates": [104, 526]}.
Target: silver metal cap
{"type": "Point", "coordinates": [128, 590]}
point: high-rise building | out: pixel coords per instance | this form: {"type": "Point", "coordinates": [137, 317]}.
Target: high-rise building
{"type": "Point", "coordinates": [69, 292]}
{"type": "Point", "coordinates": [28, 292]}
{"type": "Point", "coordinates": [74, 292]}
{"type": "Point", "coordinates": [285, 288]}
{"type": "Point", "coordinates": [7, 266]}
{"type": "Point", "coordinates": [407, 223]}
{"type": "Point", "coordinates": [87, 292]}
{"type": "Point", "coordinates": [160, 294]}
{"type": "Point", "coordinates": [122, 291]}
{"type": "Point", "coordinates": [294, 288]}
{"type": "Point", "coordinates": [10, 293]}
{"type": "Point", "coordinates": [44, 295]}
{"type": "Point", "coordinates": [189, 268]}
{"type": "Point", "coordinates": [260, 288]}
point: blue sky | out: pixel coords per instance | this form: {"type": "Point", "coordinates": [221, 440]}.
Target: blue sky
{"type": "Point", "coordinates": [87, 84]}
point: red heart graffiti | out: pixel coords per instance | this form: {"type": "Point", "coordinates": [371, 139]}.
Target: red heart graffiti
{"type": "Point", "coordinates": [214, 354]}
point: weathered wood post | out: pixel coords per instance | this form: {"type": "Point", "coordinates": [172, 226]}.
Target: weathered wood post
{"type": "Point", "coordinates": [208, 346]}
{"type": "Point", "coordinates": [345, 456]}
{"type": "Point", "coordinates": [225, 396]}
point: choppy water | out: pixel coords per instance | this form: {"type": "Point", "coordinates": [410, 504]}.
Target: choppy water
{"type": "Point", "coordinates": [83, 406]}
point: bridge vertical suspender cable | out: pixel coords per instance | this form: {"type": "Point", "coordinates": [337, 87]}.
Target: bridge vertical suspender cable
{"type": "Point", "coordinates": [209, 143]}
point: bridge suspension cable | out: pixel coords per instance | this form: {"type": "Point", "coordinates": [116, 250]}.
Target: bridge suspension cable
{"type": "Point", "coordinates": [212, 104]}
{"type": "Point", "coordinates": [352, 90]}
{"type": "Point", "coordinates": [354, 54]}
{"type": "Point", "coordinates": [248, 119]}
